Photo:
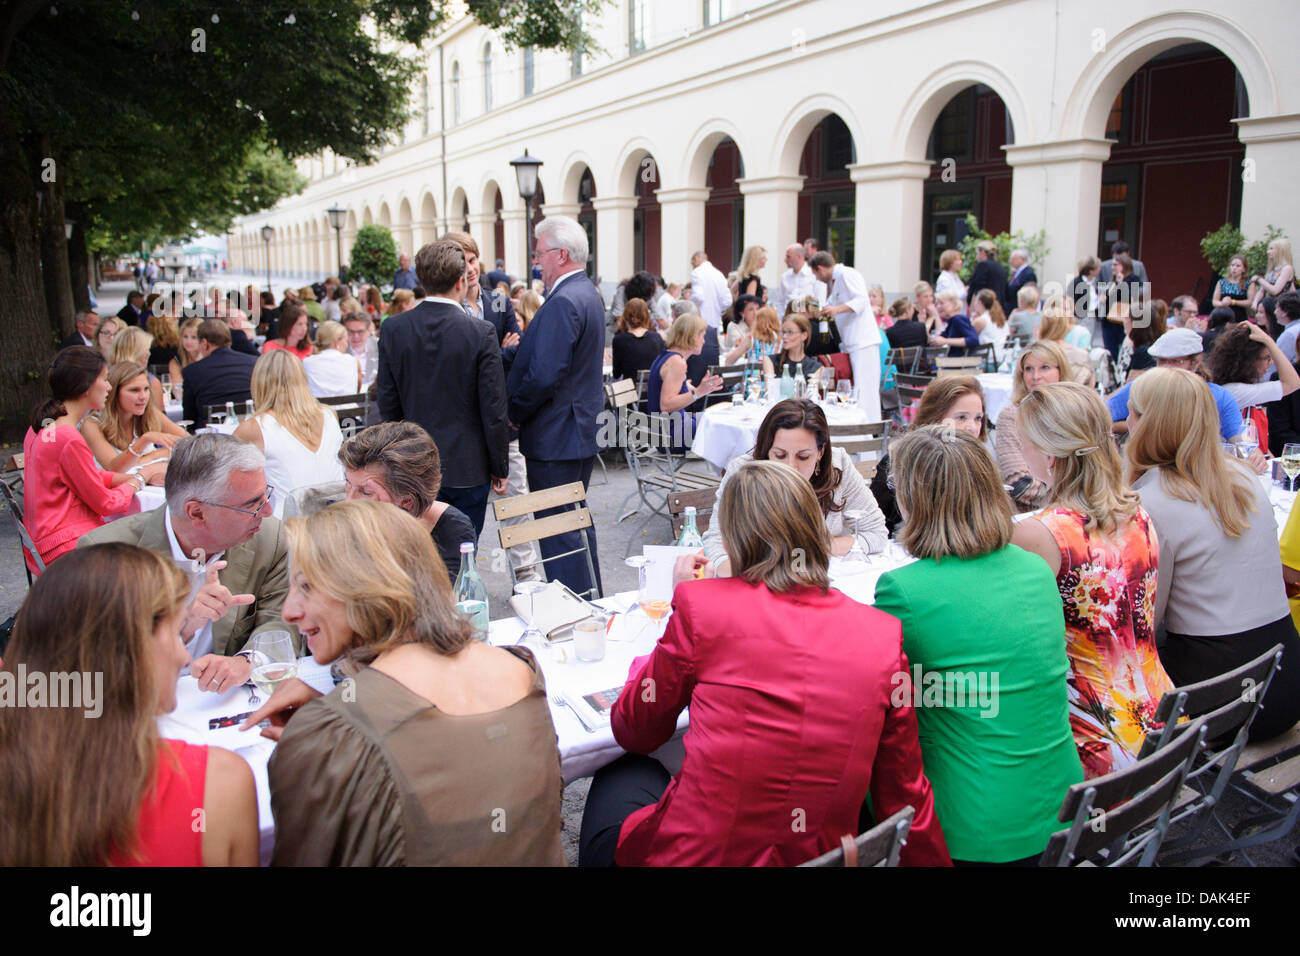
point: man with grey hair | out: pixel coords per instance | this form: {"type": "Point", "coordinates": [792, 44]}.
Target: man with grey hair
{"type": "Point", "coordinates": [709, 290]}
{"type": "Point", "coordinates": [1022, 274]}
{"type": "Point", "coordinates": [217, 521]}
{"type": "Point", "coordinates": [405, 277]}
{"type": "Point", "coordinates": [797, 280]}
{"type": "Point", "coordinates": [555, 386]}
{"type": "Point", "coordinates": [86, 323]}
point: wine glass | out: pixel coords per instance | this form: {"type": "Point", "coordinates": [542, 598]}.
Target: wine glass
{"type": "Point", "coordinates": [166, 381]}
{"type": "Point", "coordinates": [1248, 439]}
{"type": "Point", "coordinates": [274, 661]}
{"type": "Point", "coordinates": [844, 391]}
{"type": "Point", "coordinates": [653, 605]}
{"type": "Point", "coordinates": [1291, 463]}
{"type": "Point", "coordinates": [856, 560]}
{"type": "Point", "coordinates": [531, 630]}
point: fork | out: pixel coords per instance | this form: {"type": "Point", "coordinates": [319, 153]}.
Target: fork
{"type": "Point", "coordinates": [558, 698]}
{"type": "Point", "coordinates": [253, 699]}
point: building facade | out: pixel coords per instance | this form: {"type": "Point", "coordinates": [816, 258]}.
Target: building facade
{"type": "Point", "coordinates": [874, 126]}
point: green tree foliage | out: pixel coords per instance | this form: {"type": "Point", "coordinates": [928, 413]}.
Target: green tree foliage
{"type": "Point", "coordinates": [374, 255]}
{"type": "Point", "coordinates": [1218, 248]}
{"type": "Point", "coordinates": [1036, 245]}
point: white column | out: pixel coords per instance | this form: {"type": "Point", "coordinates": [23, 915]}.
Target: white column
{"type": "Point", "coordinates": [480, 227]}
{"type": "Point", "coordinates": [888, 206]}
{"type": "Point", "coordinates": [1056, 187]}
{"type": "Point", "coordinates": [771, 219]}
{"type": "Point", "coordinates": [423, 232]}
{"type": "Point", "coordinates": [561, 209]}
{"type": "Point", "coordinates": [614, 236]}
{"type": "Point", "coordinates": [1270, 187]}
{"type": "Point", "coordinates": [681, 227]}
{"type": "Point", "coordinates": [515, 243]}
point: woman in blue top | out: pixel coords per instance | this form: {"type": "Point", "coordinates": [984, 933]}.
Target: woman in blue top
{"type": "Point", "coordinates": [668, 391]}
{"type": "Point", "coordinates": [957, 332]}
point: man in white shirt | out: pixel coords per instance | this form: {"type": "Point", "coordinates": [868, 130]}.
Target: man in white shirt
{"type": "Point", "coordinates": [709, 290]}
{"type": "Point", "coordinates": [797, 280]}
{"type": "Point", "coordinates": [363, 346]}
{"type": "Point", "coordinates": [849, 305]}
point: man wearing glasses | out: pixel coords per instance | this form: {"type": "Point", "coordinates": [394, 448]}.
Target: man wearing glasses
{"type": "Point", "coordinates": [217, 527]}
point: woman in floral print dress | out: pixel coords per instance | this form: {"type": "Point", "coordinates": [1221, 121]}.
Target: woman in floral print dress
{"type": "Point", "coordinates": [1102, 547]}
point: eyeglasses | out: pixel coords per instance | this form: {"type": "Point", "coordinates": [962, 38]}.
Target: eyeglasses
{"type": "Point", "coordinates": [538, 254]}
{"type": "Point", "coordinates": [252, 514]}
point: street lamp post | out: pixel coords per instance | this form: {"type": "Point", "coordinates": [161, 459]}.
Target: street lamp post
{"type": "Point", "coordinates": [267, 233]}
{"type": "Point", "coordinates": [526, 176]}
{"type": "Point", "coordinates": [336, 214]}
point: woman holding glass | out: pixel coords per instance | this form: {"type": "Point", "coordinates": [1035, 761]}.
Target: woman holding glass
{"type": "Point", "coordinates": [1001, 757]}
{"type": "Point", "coordinates": [1215, 523]}
{"type": "Point", "coordinates": [796, 333]}
{"type": "Point", "coordinates": [440, 750]}
{"type": "Point", "coordinates": [795, 433]}
{"type": "Point", "coordinates": [1101, 546]}
{"type": "Point", "coordinates": [1041, 363]}
{"type": "Point", "coordinates": [130, 434]}
{"type": "Point", "coordinates": [668, 391]}
{"type": "Point", "coordinates": [789, 684]}
{"type": "Point", "coordinates": [109, 791]}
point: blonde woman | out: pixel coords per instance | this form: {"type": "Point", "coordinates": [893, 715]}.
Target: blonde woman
{"type": "Point", "coordinates": [1041, 363]}
{"type": "Point", "coordinates": [188, 353]}
{"type": "Point", "coordinates": [110, 791]}
{"type": "Point", "coordinates": [747, 280]}
{"type": "Point", "coordinates": [132, 344]}
{"type": "Point", "coordinates": [402, 300]}
{"type": "Point", "coordinates": [333, 370]}
{"type": "Point", "coordinates": [1281, 272]}
{"type": "Point", "coordinates": [1101, 546]}
{"type": "Point", "coordinates": [130, 434]}
{"type": "Point", "coordinates": [950, 263]}
{"type": "Point", "coordinates": [529, 303]}
{"type": "Point", "coordinates": [299, 436]}
{"type": "Point", "coordinates": [1057, 326]}
{"type": "Point", "coordinates": [166, 339]}
{"type": "Point", "coordinates": [765, 332]}
{"type": "Point", "coordinates": [988, 319]}
{"type": "Point", "coordinates": [1215, 524]}
{"type": "Point", "coordinates": [926, 311]}
{"type": "Point", "coordinates": [437, 735]}
{"type": "Point", "coordinates": [105, 333]}
{"type": "Point", "coordinates": [1026, 318]}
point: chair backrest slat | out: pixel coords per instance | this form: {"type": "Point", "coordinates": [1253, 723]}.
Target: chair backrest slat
{"type": "Point", "coordinates": [534, 501]}
{"type": "Point", "coordinates": [879, 846]}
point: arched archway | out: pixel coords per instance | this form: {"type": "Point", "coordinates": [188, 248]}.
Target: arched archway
{"type": "Point", "coordinates": [827, 200]}
{"type": "Point", "coordinates": [459, 216]}
{"type": "Point", "coordinates": [578, 189]}
{"type": "Point", "coordinates": [639, 176]}
{"type": "Point", "coordinates": [403, 234]}
{"type": "Point", "coordinates": [489, 230]}
{"type": "Point", "coordinates": [426, 228]}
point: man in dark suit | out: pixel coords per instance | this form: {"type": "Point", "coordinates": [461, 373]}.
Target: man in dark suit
{"type": "Point", "coordinates": [1022, 274]}
{"type": "Point", "coordinates": [133, 312]}
{"type": "Point", "coordinates": [555, 386]}
{"type": "Point", "coordinates": [988, 274]}
{"type": "Point", "coordinates": [85, 323]}
{"type": "Point", "coordinates": [441, 369]}
{"type": "Point", "coordinates": [222, 375]}
{"type": "Point", "coordinates": [1121, 248]}
{"type": "Point", "coordinates": [498, 275]}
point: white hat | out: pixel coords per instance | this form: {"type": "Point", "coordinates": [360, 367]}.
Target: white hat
{"type": "Point", "coordinates": [1177, 343]}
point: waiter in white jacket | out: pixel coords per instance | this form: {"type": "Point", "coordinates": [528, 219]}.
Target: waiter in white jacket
{"type": "Point", "coordinates": [848, 304]}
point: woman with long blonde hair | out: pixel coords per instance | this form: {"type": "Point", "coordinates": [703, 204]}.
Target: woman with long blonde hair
{"type": "Point", "coordinates": [1058, 326]}
{"type": "Point", "coordinates": [132, 344]}
{"type": "Point", "coordinates": [1281, 272]}
{"type": "Point", "coordinates": [166, 339]}
{"type": "Point", "coordinates": [130, 433]}
{"type": "Point", "coordinates": [529, 303]}
{"type": "Point", "coordinates": [1040, 363]}
{"type": "Point", "coordinates": [1101, 546]}
{"type": "Point", "coordinates": [95, 784]}
{"type": "Point", "coordinates": [747, 280]}
{"type": "Point", "coordinates": [1215, 523]}
{"type": "Point", "coordinates": [402, 300]}
{"type": "Point", "coordinates": [299, 436]}
{"type": "Point", "coordinates": [188, 353]}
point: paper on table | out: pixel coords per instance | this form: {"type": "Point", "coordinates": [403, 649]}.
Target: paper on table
{"type": "Point", "coordinates": [660, 559]}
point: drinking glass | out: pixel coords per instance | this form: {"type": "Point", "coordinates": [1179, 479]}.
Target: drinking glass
{"type": "Point", "coordinates": [1291, 463]}
{"type": "Point", "coordinates": [1248, 440]}
{"type": "Point", "coordinates": [589, 638]}
{"type": "Point", "coordinates": [274, 660]}
{"type": "Point", "coordinates": [652, 605]}
{"type": "Point", "coordinates": [531, 630]}
{"type": "Point", "coordinates": [167, 387]}
{"type": "Point", "coordinates": [844, 391]}
{"type": "Point", "coordinates": [856, 560]}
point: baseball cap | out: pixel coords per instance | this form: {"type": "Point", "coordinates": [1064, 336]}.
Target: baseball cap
{"type": "Point", "coordinates": [1177, 343]}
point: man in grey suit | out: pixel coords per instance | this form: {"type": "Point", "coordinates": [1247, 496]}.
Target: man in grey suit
{"type": "Point", "coordinates": [217, 527]}
{"type": "Point", "coordinates": [1107, 268]}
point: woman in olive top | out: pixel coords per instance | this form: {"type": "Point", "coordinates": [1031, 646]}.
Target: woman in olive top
{"type": "Point", "coordinates": [988, 663]}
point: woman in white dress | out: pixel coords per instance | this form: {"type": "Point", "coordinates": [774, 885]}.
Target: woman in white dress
{"type": "Point", "coordinates": [299, 436]}
{"type": "Point", "coordinates": [990, 321]}
{"type": "Point", "coordinates": [333, 370]}
{"type": "Point", "coordinates": [950, 262]}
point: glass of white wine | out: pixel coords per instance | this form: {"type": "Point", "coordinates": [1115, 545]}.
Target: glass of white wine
{"type": "Point", "coordinates": [1291, 463]}
{"type": "Point", "coordinates": [274, 660]}
{"type": "Point", "coordinates": [654, 606]}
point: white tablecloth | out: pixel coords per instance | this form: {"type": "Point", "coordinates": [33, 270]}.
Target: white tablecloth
{"type": "Point", "coordinates": [724, 431]}
{"type": "Point", "coordinates": [997, 392]}
{"type": "Point", "coordinates": [174, 410]}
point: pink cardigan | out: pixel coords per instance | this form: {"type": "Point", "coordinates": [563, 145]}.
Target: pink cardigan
{"type": "Point", "coordinates": [65, 494]}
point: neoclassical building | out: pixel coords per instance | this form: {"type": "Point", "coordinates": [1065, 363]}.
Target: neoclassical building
{"type": "Point", "coordinates": [875, 126]}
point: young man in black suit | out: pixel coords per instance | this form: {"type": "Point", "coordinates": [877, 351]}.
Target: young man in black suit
{"type": "Point", "coordinates": [988, 274]}
{"type": "Point", "coordinates": [133, 312]}
{"type": "Point", "coordinates": [441, 368]}
{"type": "Point", "coordinates": [222, 375]}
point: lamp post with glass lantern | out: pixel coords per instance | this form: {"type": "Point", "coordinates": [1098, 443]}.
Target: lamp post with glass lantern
{"type": "Point", "coordinates": [267, 233]}
{"type": "Point", "coordinates": [526, 176]}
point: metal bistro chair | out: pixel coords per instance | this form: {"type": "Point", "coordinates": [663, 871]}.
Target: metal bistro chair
{"type": "Point", "coordinates": [905, 359]}
{"type": "Point", "coordinates": [658, 471]}
{"type": "Point", "coordinates": [733, 380]}
{"type": "Point", "coordinates": [351, 411]}
{"type": "Point", "coordinates": [958, 365]}
{"type": "Point", "coordinates": [910, 390]}
{"type": "Point", "coordinates": [578, 518]}
{"type": "Point", "coordinates": [642, 381]}
{"type": "Point", "coordinates": [868, 438]}
{"type": "Point", "coordinates": [1109, 815]}
{"type": "Point", "coordinates": [13, 498]}
{"type": "Point", "coordinates": [879, 846]}
{"type": "Point", "coordinates": [1228, 704]}
{"type": "Point", "coordinates": [987, 353]}
{"type": "Point", "coordinates": [925, 362]}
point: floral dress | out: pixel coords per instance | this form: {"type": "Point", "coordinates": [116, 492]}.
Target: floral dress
{"type": "Point", "coordinates": [1108, 587]}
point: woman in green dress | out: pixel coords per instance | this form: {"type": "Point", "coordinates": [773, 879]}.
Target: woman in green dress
{"type": "Point", "coordinates": [984, 632]}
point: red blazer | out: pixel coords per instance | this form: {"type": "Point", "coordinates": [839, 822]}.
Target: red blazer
{"type": "Point", "coordinates": [791, 726]}
{"type": "Point", "coordinates": [65, 494]}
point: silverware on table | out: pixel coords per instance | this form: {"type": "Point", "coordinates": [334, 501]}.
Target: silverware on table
{"type": "Point", "coordinates": [558, 698]}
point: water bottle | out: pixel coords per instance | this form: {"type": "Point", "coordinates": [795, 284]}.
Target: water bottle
{"type": "Point", "coordinates": [787, 383]}
{"type": "Point", "coordinates": [231, 417]}
{"type": "Point", "coordinates": [471, 595]}
{"type": "Point", "coordinates": [800, 383]}
{"type": "Point", "coordinates": [690, 534]}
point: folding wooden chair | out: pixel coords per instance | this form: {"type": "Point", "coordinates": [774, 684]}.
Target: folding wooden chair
{"type": "Point", "coordinates": [14, 500]}
{"type": "Point", "coordinates": [577, 518]}
{"type": "Point", "coordinates": [351, 411]}
{"type": "Point", "coordinates": [701, 499]}
{"type": "Point", "coordinates": [879, 846]}
{"type": "Point", "coordinates": [958, 365]}
{"type": "Point", "coordinates": [867, 438]}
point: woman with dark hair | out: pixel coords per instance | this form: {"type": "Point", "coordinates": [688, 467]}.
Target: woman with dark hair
{"type": "Point", "coordinates": [440, 750]}
{"type": "Point", "coordinates": [1218, 320]}
{"type": "Point", "coordinates": [65, 494]}
{"type": "Point", "coordinates": [1139, 337]}
{"type": "Point", "coordinates": [796, 335]}
{"type": "Point", "coordinates": [795, 433]}
{"type": "Point", "coordinates": [636, 344]}
{"type": "Point", "coordinates": [1240, 360]}
{"type": "Point", "coordinates": [795, 714]}
{"type": "Point", "coordinates": [1235, 290]}
{"type": "Point", "coordinates": [956, 400]}
{"type": "Point", "coordinates": [398, 462]}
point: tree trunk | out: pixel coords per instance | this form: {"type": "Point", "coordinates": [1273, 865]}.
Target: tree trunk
{"type": "Point", "coordinates": [59, 304]}
{"type": "Point", "coordinates": [28, 341]}
{"type": "Point", "coordinates": [78, 259]}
